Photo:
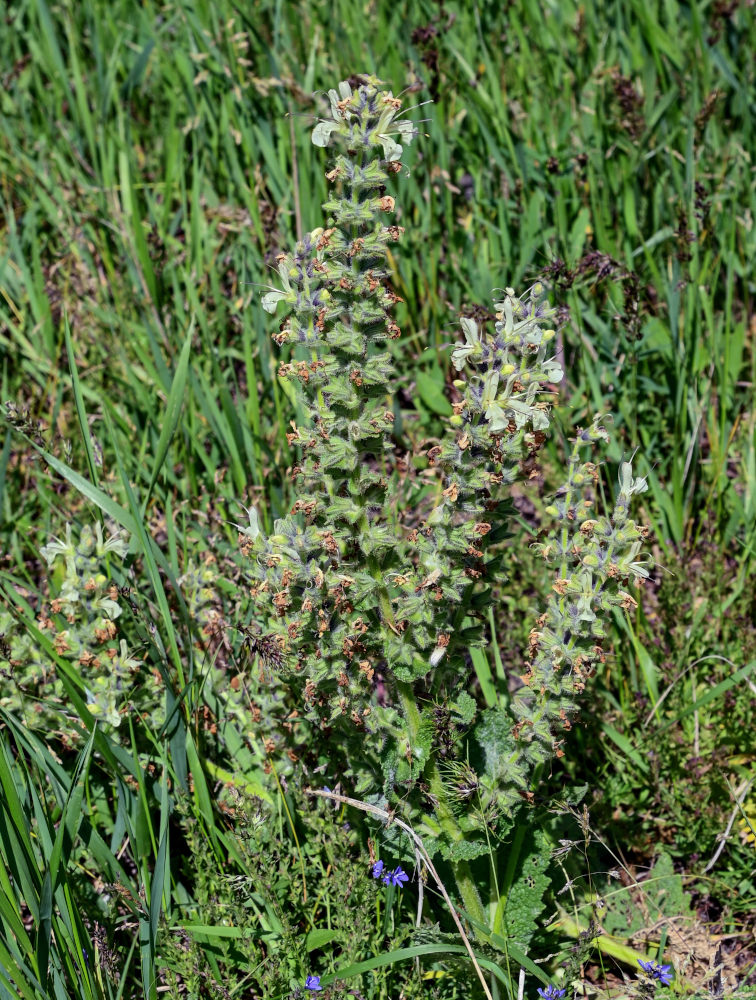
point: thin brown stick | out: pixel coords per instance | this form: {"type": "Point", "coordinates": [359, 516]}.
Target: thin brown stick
{"type": "Point", "coordinates": [390, 818]}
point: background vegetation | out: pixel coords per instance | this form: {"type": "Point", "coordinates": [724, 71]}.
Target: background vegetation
{"type": "Point", "coordinates": [154, 158]}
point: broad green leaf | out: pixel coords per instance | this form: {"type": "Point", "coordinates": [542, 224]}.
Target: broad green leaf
{"type": "Point", "coordinates": [430, 387]}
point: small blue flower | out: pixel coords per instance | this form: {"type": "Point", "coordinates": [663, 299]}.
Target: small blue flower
{"type": "Point", "coordinates": [657, 971]}
{"type": "Point", "coordinates": [377, 869]}
{"type": "Point", "coordinates": [664, 974]}
{"type": "Point", "coordinates": [313, 983]}
{"type": "Point", "coordinates": [551, 993]}
{"type": "Point", "coordinates": [396, 877]}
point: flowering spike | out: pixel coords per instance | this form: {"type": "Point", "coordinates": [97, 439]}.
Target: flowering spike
{"type": "Point", "coordinates": [353, 599]}
{"type": "Point", "coordinates": [325, 570]}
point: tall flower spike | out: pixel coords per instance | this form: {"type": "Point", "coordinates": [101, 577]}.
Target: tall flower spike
{"type": "Point", "coordinates": [498, 426]}
{"type": "Point", "coordinates": [593, 556]}
{"type": "Point", "coordinates": [346, 595]}
{"type": "Point", "coordinates": [325, 577]}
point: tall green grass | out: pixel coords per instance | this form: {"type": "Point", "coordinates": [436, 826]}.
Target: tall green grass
{"type": "Point", "coordinates": [153, 160]}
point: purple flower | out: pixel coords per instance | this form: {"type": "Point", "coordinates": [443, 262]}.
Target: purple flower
{"type": "Point", "coordinates": [313, 983]}
{"type": "Point", "coordinates": [396, 877]}
{"type": "Point", "coordinates": [551, 993]}
{"type": "Point", "coordinates": [657, 971]}
{"type": "Point", "coordinates": [664, 974]}
{"type": "Point", "coordinates": [377, 869]}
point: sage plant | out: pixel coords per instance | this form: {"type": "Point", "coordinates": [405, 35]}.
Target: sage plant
{"type": "Point", "coordinates": [80, 624]}
{"type": "Point", "coordinates": [345, 601]}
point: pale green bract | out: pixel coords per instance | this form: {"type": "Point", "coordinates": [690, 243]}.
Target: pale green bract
{"type": "Point", "coordinates": [495, 415]}
{"type": "Point", "coordinates": [321, 134]}
{"type": "Point", "coordinates": [271, 299]}
{"type": "Point", "coordinates": [252, 530]}
{"type": "Point", "coordinates": [344, 93]}
{"type": "Point", "coordinates": [346, 118]}
{"type": "Point", "coordinates": [629, 485]}
{"type": "Point", "coordinates": [471, 345]}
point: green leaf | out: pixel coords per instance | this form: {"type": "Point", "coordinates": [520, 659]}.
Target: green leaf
{"type": "Point", "coordinates": [44, 929]}
{"type": "Point", "coordinates": [464, 850]}
{"type": "Point", "coordinates": [484, 675]}
{"type": "Point", "coordinates": [320, 936]}
{"type": "Point", "coordinates": [507, 947]}
{"type": "Point", "coordinates": [466, 707]}
{"type": "Point", "coordinates": [405, 954]}
{"type": "Point", "coordinates": [494, 734]}
{"type": "Point", "coordinates": [211, 930]}
{"type": "Point", "coordinates": [431, 390]}
{"type": "Point", "coordinates": [518, 913]}
{"type": "Point", "coordinates": [170, 419]}
{"type": "Point", "coordinates": [664, 889]}
{"type": "Point", "coordinates": [81, 412]}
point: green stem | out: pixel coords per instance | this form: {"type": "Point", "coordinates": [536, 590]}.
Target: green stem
{"type": "Point", "coordinates": [462, 874]}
